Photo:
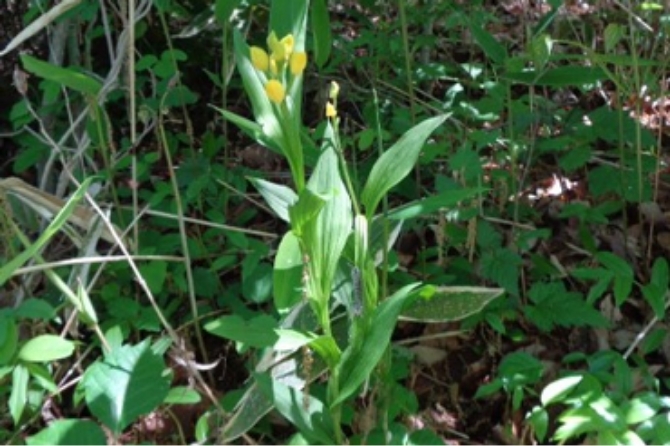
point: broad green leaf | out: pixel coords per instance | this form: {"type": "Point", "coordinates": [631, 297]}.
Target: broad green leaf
{"type": "Point", "coordinates": [58, 221]}
{"type": "Point", "coordinates": [557, 390]}
{"type": "Point", "coordinates": [64, 431]}
{"type": "Point", "coordinates": [127, 383]}
{"type": "Point", "coordinates": [656, 290]}
{"type": "Point", "coordinates": [432, 204]}
{"type": "Point", "coordinates": [66, 77]}
{"type": "Point", "coordinates": [444, 304]}
{"type": "Point", "coordinates": [277, 196]}
{"type": "Point", "coordinates": [287, 274]}
{"type": "Point", "coordinates": [326, 237]}
{"type": "Point", "coordinates": [396, 163]}
{"type": "Point", "coordinates": [33, 309]}
{"type": "Point", "coordinates": [182, 395]}
{"type": "Point", "coordinates": [290, 17]}
{"type": "Point", "coordinates": [45, 348]}
{"type": "Point", "coordinates": [361, 358]}
{"type": "Point", "coordinates": [305, 412]}
{"type": "Point", "coordinates": [323, 40]}
{"type": "Point", "coordinates": [19, 393]}
{"type": "Point", "coordinates": [9, 338]}
{"type": "Point", "coordinates": [258, 332]}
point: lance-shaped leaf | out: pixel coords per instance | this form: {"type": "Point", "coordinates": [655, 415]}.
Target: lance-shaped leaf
{"type": "Point", "coordinates": [396, 163]}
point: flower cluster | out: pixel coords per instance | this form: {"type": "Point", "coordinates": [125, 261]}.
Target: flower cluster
{"type": "Point", "coordinates": [279, 68]}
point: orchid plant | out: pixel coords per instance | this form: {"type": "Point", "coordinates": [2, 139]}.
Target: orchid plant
{"type": "Point", "coordinates": [330, 256]}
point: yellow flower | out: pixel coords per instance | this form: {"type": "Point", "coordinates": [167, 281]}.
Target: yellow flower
{"type": "Point", "coordinates": [275, 91]}
{"type": "Point", "coordinates": [273, 67]}
{"type": "Point", "coordinates": [331, 111]}
{"type": "Point", "coordinates": [298, 63]}
{"type": "Point", "coordinates": [259, 58]}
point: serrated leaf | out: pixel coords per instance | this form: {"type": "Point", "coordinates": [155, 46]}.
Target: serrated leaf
{"type": "Point", "coordinates": [553, 305]}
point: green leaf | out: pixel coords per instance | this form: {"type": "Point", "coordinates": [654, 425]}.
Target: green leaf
{"type": "Point", "coordinates": [34, 309]}
{"type": "Point", "coordinates": [396, 163]}
{"type": "Point", "coordinates": [502, 266]}
{"type": "Point", "coordinates": [360, 358]}
{"type": "Point", "coordinates": [655, 291]}
{"type": "Point", "coordinates": [258, 332]}
{"type": "Point", "coordinates": [445, 304]}
{"type": "Point", "coordinates": [306, 209]}
{"type": "Point", "coordinates": [305, 412]}
{"type": "Point", "coordinates": [129, 382]}
{"type": "Point", "coordinates": [290, 17]}
{"type": "Point", "coordinates": [9, 338]}
{"type": "Point", "coordinates": [432, 204]}
{"type": "Point", "coordinates": [287, 274]}
{"type": "Point", "coordinates": [45, 348]}
{"type": "Point", "coordinates": [557, 390]}
{"type": "Point", "coordinates": [520, 369]}
{"type": "Point", "coordinates": [277, 196]}
{"type": "Point", "coordinates": [553, 305]}
{"type": "Point", "coordinates": [559, 77]}
{"type": "Point", "coordinates": [66, 77]}
{"type": "Point", "coordinates": [326, 237]}
{"type": "Point", "coordinates": [19, 393]}
{"type": "Point", "coordinates": [493, 49]}
{"type": "Point", "coordinates": [623, 275]}
{"type": "Point", "coordinates": [323, 40]}
{"type": "Point", "coordinates": [539, 420]}
{"type": "Point", "coordinates": [182, 395]}
{"type": "Point", "coordinates": [64, 431]}
{"type": "Point", "coordinates": [641, 408]}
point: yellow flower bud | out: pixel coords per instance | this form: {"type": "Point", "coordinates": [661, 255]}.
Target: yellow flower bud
{"type": "Point", "coordinates": [288, 42]}
{"type": "Point", "coordinates": [331, 111]}
{"type": "Point", "coordinates": [334, 90]}
{"type": "Point", "coordinates": [298, 63]}
{"type": "Point", "coordinates": [277, 49]}
{"type": "Point", "coordinates": [259, 58]}
{"type": "Point", "coordinates": [275, 91]}
{"type": "Point", "coordinates": [273, 67]}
